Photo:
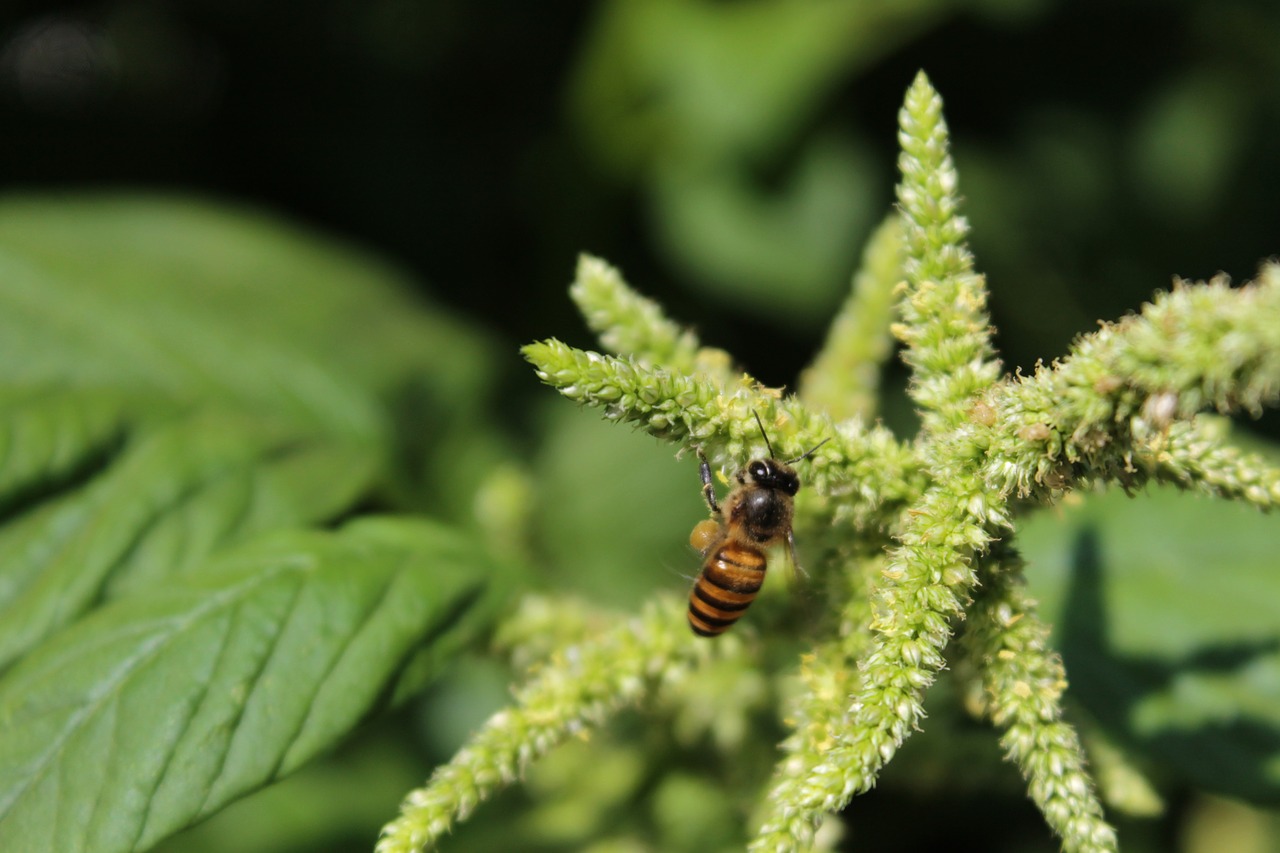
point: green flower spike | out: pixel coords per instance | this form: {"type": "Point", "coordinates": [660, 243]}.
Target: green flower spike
{"type": "Point", "coordinates": [1022, 682]}
{"type": "Point", "coordinates": [578, 687]}
{"type": "Point", "coordinates": [844, 378]}
{"type": "Point", "coordinates": [907, 542]}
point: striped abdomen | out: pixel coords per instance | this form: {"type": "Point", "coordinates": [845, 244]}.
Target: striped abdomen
{"type": "Point", "coordinates": [730, 579]}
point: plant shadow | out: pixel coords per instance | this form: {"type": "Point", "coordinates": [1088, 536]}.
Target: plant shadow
{"type": "Point", "coordinates": [1228, 753]}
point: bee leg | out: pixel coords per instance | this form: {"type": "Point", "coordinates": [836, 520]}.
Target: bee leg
{"type": "Point", "coordinates": [708, 490]}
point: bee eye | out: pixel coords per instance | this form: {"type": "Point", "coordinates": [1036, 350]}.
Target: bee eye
{"type": "Point", "coordinates": [758, 470]}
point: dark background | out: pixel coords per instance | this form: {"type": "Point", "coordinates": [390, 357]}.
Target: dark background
{"type": "Point", "coordinates": [1102, 147]}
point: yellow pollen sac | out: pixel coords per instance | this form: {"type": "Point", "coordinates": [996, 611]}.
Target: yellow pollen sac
{"type": "Point", "coordinates": [703, 534]}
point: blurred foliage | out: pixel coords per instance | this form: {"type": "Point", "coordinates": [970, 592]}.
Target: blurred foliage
{"type": "Point", "coordinates": [704, 104]}
{"type": "Point", "coordinates": [1168, 630]}
{"type": "Point", "coordinates": [672, 136]}
{"type": "Point", "coordinates": [732, 157]}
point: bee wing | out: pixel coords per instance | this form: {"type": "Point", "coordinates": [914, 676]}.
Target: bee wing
{"type": "Point", "coordinates": [804, 593]}
{"type": "Point", "coordinates": [796, 575]}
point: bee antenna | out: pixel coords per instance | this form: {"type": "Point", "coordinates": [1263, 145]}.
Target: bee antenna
{"type": "Point", "coordinates": [808, 452]}
{"type": "Point", "coordinates": [764, 434]}
{"type": "Point", "coordinates": [768, 444]}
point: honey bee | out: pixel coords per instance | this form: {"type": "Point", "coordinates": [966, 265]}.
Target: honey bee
{"type": "Point", "coordinates": [756, 514]}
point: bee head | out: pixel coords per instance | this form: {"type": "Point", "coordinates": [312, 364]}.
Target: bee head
{"type": "Point", "coordinates": [771, 474]}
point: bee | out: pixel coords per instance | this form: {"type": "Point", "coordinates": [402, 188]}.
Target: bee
{"type": "Point", "coordinates": [756, 514]}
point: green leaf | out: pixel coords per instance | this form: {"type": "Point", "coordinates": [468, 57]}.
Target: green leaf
{"type": "Point", "coordinates": [193, 301]}
{"type": "Point", "coordinates": [168, 703]}
{"type": "Point", "coordinates": [344, 796]}
{"type": "Point", "coordinates": [173, 495]}
{"type": "Point", "coordinates": [712, 108]}
{"type": "Point", "coordinates": [781, 253]}
{"type": "Point", "coordinates": [180, 375]}
{"type": "Point", "coordinates": [700, 80]}
{"type": "Point", "coordinates": [1165, 611]}
{"type": "Point", "coordinates": [48, 436]}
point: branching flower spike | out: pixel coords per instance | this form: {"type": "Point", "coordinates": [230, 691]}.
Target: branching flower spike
{"type": "Point", "coordinates": [908, 542]}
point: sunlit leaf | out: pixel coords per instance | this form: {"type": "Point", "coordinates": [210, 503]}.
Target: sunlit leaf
{"type": "Point", "coordinates": [169, 499]}
{"type": "Point", "coordinates": [1165, 606]}
{"type": "Point", "coordinates": [168, 703]}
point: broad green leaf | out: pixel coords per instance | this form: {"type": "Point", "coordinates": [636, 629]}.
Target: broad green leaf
{"type": "Point", "coordinates": [1166, 607]}
{"type": "Point", "coordinates": [341, 798]}
{"type": "Point", "coordinates": [171, 497]}
{"type": "Point", "coordinates": [48, 435]}
{"type": "Point", "coordinates": [119, 312]}
{"type": "Point", "coordinates": [196, 302]}
{"type": "Point", "coordinates": [167, 703]}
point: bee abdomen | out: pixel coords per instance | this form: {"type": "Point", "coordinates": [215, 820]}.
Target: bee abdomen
{"type": "Point", "coordinates": [727, 586]}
